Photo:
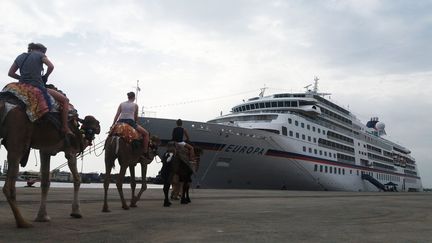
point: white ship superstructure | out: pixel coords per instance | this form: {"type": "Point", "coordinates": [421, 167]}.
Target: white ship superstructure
{"type": "Point", "coordinates": [299, 141]}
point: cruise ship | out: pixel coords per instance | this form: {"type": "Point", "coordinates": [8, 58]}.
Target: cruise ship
{"type": "Point", "coordinates": [295, 141]}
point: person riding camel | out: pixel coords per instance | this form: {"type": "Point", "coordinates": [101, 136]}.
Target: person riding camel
{"type": "Point", "coordinates": [30, 66]}
{"type": "Point", "coordinates": [127, 112]}
{"type": "Point", "coordinates": [178, 135]}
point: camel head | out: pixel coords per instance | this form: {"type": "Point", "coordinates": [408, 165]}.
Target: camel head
{"type": "Point", "coordinates": [90, 126]}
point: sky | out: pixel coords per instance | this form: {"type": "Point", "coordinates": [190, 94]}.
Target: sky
{"type": "Point", "coordinates": [196, 58]}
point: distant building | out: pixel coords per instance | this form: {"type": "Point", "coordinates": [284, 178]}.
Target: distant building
{"type": "Point", "coordinates": [60, 176]}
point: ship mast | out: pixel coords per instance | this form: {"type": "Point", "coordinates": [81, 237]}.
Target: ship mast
{"type": "Point", "coordinates": [315, 87]}
{"type": "Point", "coordinates": [137, 89]}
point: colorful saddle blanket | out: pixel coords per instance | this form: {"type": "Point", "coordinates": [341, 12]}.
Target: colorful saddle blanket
{"type": "Point", "coordinates": [32, 97]}
{"type": "Point", "coordinates": [126, 132]}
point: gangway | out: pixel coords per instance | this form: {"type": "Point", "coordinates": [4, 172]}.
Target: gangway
{"type": "Point", "coordinates": [373, 181]}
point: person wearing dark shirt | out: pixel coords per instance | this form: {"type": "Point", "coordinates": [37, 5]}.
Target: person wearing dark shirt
{"type": "Point", "coordinates": [30, 65]}
{"type": "Point", "coordinates": [178, 135]}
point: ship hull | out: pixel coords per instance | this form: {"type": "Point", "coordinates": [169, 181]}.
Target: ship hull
{"type": "Point", "coordinates": [242, 158]}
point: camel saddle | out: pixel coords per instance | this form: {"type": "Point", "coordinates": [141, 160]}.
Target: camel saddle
{"type": "Point", "coordinates": [125, 131]}
{"type": "Point", "coordinates": [31, 97]}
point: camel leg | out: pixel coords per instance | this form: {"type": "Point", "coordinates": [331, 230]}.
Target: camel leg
{"type": "Point", "coordinates": [166, 188]}
{"type": "Point", "coordinates": [9, 189]}
{"type": "Point", "coordinates": [133, 185]}
{"type": "Point", "coordinates": [107, 180]}
{"type": "Point", "coordinates": [42, 215]}
{"type": "Point", "coordinates": [183, 197]}
{"type": "Point", "coordinates": [187, 192]}
{"type": "Point", "coordinates": [119, 185]}
{"type": "Point", "coordinates": [72, 163]}
{"type": "Point", "coordinates": [143, 183]}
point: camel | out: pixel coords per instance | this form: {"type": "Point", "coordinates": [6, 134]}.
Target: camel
{"type": "Point", "coordinates": [175, 162]}
{"type": "Point", "coordinates": [19, 135]}
{"type": "Point", "coordinates": [127, 155]}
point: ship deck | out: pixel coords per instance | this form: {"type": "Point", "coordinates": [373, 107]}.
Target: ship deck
{"type": "Point", "coordinates": [226, 216]}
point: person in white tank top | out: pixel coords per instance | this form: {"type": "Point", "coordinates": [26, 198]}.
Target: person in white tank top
{"type": "Point", "coordinates": [127, 112]}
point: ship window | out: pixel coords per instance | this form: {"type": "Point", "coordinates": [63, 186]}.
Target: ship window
{"type": "Point", "coordinates": [330, 154]}
{"type": "Point", "coordinates": [313, 129]}
{"type": "Point", "coordinates": [321, 168]}
{"type": "Point", "coordinates": [302, 125]}
{"type": "Point", "coordinates": [325, 153]}
{"type": "Point", "coordinates": [325, 169]}
{"type": "Point", "coordinates": [357, 172]}
{"type": "Point", "coordinates": [261, 105]}
{"type": "Point", "coordinates": [248, 107]}
{"type": "Point", "coordinates": [287, 104]}
{"type": "Point", "coordinates": [291, 133]}
{"type": "Point", "coordinates": [314, 140]}
{"type": "Point", "coordinates": [343, 171]}
{"type": "Point", "coordinates": [315, 151]}
{"type": "Point", "coordinates": [280, 104]}
{"type": "Point", "coordinates": [293, 103]}
{"type": "Point", "coordinates": [284, 130]}
{"type": "Point", "coordinates": [243, 108]}
{"type": "Point", "coordinates": [304, 148]}
{"type": "Point", "coordinates": [296, 123]}
{"type": "Point", "coordinates": [308, 127]}
{"type": "Point", "coordinates": [289, 120]}
{"type": "Point", "coordinates": [323, 132]}
{"type": "Point", "coordinates": [309, 138]}
{"type": "Point", "coordinates": [303, 137]}
{"type": "Point", "coordinates": [297, 135]}
{"type": "Point", "coordinates": [267, 104]}
{"type": "Point", "coordinates": [274, 104]}
{"type": "Point", "coordinates": [320, 152]}
{"type": "Point", "coordinates": [310, 150]}
{"type": "Point", "coordinates": [351, 172]}
{"type": "Point", "coordinates": [319, 130]}
{"type": "Point", "coordinates": [339, 171]}
{"type": "Point", "coordinates": [331, 169]}
{"type": "Point", "coordinates": [315, 166]}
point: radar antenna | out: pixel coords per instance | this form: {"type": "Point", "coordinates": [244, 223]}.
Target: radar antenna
{"type": "Point", "coordinates": [315, 87]}
{"type": "Point", "coordinates": [261, 94]}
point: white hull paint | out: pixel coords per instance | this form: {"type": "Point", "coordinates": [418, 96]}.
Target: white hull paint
{"type": "Point", "coordinates": [236, 157]}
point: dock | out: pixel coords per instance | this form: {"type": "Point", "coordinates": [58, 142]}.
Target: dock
{"type": "Point", "coordinates": [226, 216]}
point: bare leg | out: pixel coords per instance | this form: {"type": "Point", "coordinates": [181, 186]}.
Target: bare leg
{"type": "Point", "coordinates": [72, 163]}
{"type": "Point", "coordinates": [146, 138]}
{"type": "Point", "coordinates": [42, 215]}
{"type": "Point", "coordinates": [64, 101]}
{"type": "Point", "coordinates": [191, 152]}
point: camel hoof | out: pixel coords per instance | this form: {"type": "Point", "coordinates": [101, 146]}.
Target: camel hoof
{"type": "Point", "coordinates": [183, 201]}
{"type": "Point", "coordinates": [167, 204]}
{"type": "Point", "coordinates": [24, 224]}
{"type": "Point", "coordinates": [188, 200]}
{"type": "Point", "coordinates": [76, 215]}
{"type": "Point", "coordinates": [43, 219]}
{"type": "Point", "coordinates": [106, 210]}
{"type": "Point", "coordinates": [125, 207]}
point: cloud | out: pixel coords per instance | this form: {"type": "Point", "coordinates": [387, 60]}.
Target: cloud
{"type": "Point", "coordinates": [372, 55]}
